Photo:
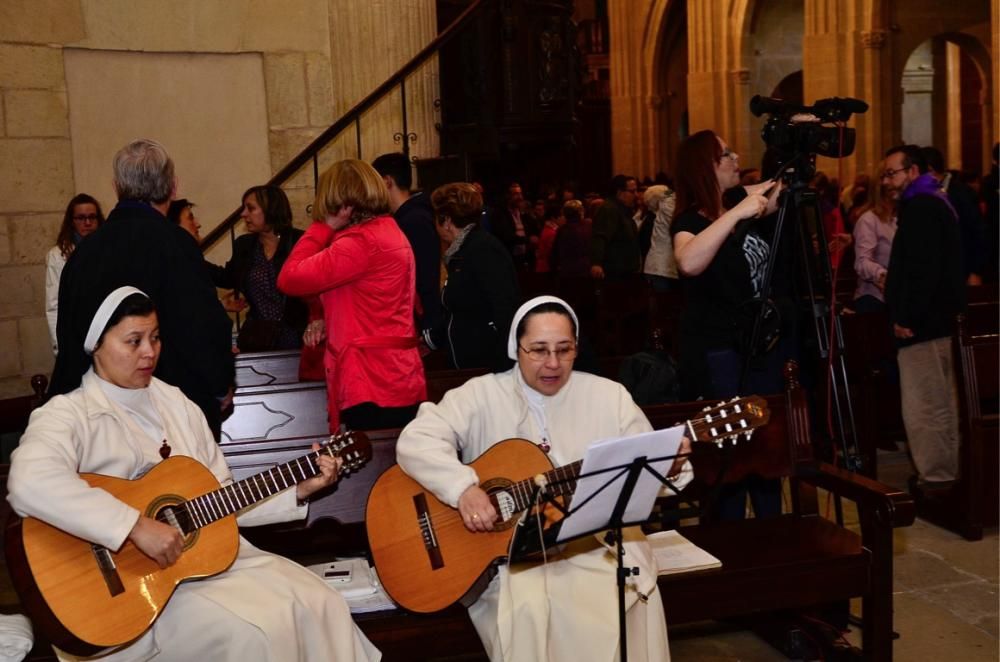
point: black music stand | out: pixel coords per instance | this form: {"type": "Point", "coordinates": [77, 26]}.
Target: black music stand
{"type": "Point", "coordinates": [613, 511]}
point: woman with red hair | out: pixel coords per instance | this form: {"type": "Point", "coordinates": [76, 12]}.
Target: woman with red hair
{"type": "Point", "coordinates": [721, 257]}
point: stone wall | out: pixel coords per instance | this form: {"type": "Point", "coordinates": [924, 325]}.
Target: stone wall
{"type": "Point", "coordinates": [312, 61]}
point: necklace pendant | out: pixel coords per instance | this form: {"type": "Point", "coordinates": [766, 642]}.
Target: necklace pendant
{"type": "Point", "coordinates": [165, 450]}
{"type": "Point", "coordinates": [545, 446]}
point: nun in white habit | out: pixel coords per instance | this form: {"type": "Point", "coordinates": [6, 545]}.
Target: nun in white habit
{"type": "Point", "coordinates": [120, 422]}
{"type": "Point", "coordinates": [566, 608]}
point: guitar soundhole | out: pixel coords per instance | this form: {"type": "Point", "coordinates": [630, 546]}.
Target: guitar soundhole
{"type": "Point", "coordinates": [166, 509]}
{"type": "Point", "coordinates": [504, 502]}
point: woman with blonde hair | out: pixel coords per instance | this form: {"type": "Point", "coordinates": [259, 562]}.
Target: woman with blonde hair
{"type": "Point", "coordinates": [873, 235]}
{"type": "Point", "coordinates": [360, 264]}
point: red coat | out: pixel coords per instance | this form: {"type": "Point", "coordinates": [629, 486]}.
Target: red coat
{"type": "Point", "coordinates": [365, 276]}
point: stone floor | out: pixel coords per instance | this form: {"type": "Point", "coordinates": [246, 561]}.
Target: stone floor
{"type": "Point", "coordinates": [946, 597]}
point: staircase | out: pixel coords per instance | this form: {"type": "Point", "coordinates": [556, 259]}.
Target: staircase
{"type": "Point", "coordinates": [351, 120]}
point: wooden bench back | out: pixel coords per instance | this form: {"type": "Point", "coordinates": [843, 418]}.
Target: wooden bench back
{"type": "Point", "coordinates": [977, 357]}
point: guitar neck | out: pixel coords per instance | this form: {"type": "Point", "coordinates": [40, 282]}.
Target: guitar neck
{"type": "Point", "coordinates": [236, 496]}
{"type": "Point", "coordinates": [201, 511]}
{"type": "Point", "coordinates": [728, 420]}
{"type": "Point", "coordinates": [560, 481]}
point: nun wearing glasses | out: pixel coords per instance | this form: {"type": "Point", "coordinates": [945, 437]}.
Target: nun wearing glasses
{"type": "Point", "coordinates": [564, 608]}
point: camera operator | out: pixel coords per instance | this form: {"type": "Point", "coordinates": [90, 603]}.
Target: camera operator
{"type": "Point", "coordinates": [722, 263]}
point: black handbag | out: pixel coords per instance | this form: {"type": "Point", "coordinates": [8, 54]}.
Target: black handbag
{"type": "Point", "coordinates": [258, 335]}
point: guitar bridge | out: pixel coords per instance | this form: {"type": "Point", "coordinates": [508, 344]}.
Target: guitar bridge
{"type": "Point", "coordinates": [427, 531]}
{"type": "Point", "coordinates": [109, 571]}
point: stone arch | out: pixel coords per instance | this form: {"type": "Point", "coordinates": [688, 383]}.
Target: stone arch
{"type": "Point", "coordinates": [969, 27]}
{"type": "Point", "coordinates": [666, 35]}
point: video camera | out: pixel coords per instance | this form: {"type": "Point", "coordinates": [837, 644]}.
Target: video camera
{"type": "Point", "coordinates": [792, 136]}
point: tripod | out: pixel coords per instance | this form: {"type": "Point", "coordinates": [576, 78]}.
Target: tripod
{"type": "Point", "coordinates": [810, 270]}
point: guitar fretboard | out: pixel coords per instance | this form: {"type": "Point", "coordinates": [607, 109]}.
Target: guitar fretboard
{"type": "Point", "coordinates": [560, 481]}
{"type": "Point", "coordinates": [724, 421]}
{"type": "Point", "coordinates": [213, 506]}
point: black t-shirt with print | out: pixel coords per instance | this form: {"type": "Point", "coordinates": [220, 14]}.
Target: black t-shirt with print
{"type": "Point", "coordinates": [712, 299]}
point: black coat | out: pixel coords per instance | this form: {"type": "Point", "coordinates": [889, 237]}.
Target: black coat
{"type": "Point", "coordinates": [614, 240]}
{"type": "Point", "coordinates": [138, 246]}
{"type": "Point", "coordinates": [504, 228]}
{"type": "Point", "coordinates": [925, 286]}
{"type": "Point", "coordinates": [237, 270]}
{"type": "Point", "coordinates": [415, 218]}
{"type": "Point", "coordinates": [479, 299]}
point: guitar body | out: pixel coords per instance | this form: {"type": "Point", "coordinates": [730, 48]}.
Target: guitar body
{"type": "Point", "coordinates": [94, 609]}
{"type": "Point", "coordinates": [417, 573]}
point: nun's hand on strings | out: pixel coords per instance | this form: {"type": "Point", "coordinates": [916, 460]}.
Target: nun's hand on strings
{"type": "Point", "coordinates": [329, 468]}
{"type": "Point", "coordinates": [476, 509]}
{"type": "Point", "coordinates": [161, 542]}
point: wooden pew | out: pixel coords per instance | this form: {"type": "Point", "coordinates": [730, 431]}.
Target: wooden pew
{"type": "Point", "coordinates": [797, 560]}
{"type": "Point", "coordinates": [972, 502]}
{"type": "Point", "coordinates": [793, 561]}
{"type": "Point", "coordinates": [870, 361]}
{"type": "Point", "coordinates": [14, 412]}
{"type": "Point", "coordinates": [270, 403]}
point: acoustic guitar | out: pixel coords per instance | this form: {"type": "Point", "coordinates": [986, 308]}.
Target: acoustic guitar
{"type": "Point", "coordinates": [427, 560]}
{"type": "Point", "coordinates": [84, 597]}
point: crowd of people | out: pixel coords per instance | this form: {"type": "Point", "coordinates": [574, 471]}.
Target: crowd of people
{"type": "Point", "coordinates": [384, 275]}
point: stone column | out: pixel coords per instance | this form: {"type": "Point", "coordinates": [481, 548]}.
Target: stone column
{"type": "Point", "coordinates": [718, 79]}
{"type": "Point", "coordinates": [634, 130]}
{"type": "Point", "coordinates": [990, 117]}
{"type": "Point", "coordinates": [844, 55]}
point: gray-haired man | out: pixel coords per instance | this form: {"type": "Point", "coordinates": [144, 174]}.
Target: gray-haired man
{"type": "Point", "coordinates": [137, 246]}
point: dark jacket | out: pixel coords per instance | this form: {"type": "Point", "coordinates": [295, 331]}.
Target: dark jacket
{"type": "Point", "coordinates": [235, 275]}
{"type": "Point", "coordinates": [503, 228]}
{"type": "Point", "coordinates": [571, 250]}
{"type": "Point", "coordinates": [480, 298]}
{"type": "Point", "coordinates": [925, 287]}
{"type": "Point", "coordinates": [971, 226]}
{"type": "Point", "coordinates": [614, 243]}
{"type": "Point", "coordinates": [137, 246]}
{"type": "Point", "coordinates": [415, 218]}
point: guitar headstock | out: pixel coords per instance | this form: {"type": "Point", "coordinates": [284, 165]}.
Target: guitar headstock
{"type": "Point", "coordinates": [728, 421]}
{"type": "Point", "coordinates": [352, 447]}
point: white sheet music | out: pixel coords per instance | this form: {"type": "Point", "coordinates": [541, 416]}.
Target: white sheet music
{"type": "Point", "coordinates": [676, 554]}
{"type": "Point", "coordinates": [596, 512]}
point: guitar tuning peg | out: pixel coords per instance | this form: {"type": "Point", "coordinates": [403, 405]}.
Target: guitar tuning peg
{"type": "Point", "coordinates": [707, 409]}
{"type": "Point", "coordinates": [720, 442]}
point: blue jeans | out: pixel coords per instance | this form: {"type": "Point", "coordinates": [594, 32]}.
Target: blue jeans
{"type": "Point", "coordinates": [763, 378]}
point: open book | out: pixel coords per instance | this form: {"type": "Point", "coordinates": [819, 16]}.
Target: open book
{"type": "Point", "coordinates": [675, 554]}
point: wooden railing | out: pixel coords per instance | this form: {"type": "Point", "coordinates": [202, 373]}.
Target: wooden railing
{"type": "Point", "coordinates": [353, 118]}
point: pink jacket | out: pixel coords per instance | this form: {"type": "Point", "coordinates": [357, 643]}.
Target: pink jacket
{"type": "Point", "coordinates": [365, 277]}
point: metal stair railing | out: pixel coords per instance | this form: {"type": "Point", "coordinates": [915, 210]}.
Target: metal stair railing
{"type": "Point", "coordinates": [353, 117]}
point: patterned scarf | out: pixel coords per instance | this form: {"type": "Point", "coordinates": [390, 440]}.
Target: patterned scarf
{"type": "Point", "coordinates": [459, 240]}
{"type": "Point", "coordinates": [926, 184]}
